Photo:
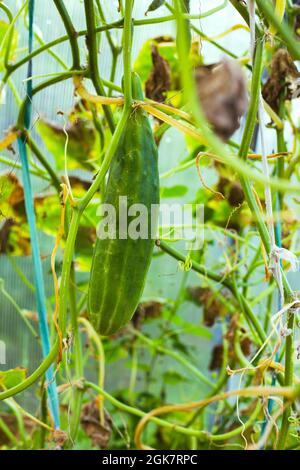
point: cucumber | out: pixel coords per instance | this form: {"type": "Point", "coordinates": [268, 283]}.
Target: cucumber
{"type": "Point", "coordinates": [120, 266]}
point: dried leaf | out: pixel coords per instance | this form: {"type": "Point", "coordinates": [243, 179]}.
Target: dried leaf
{"type": "Point", "coordinates": [222, 93]}
{"type": "Point", "coordinates": [11, 422]}
{"type": "Point", "coordinates": [14, 236]}
{"type": "Point", "coordinates": [212, 307]}
{"type": "Point", "coordinates": [90, 421]}
{"type": "Point", "coordinates": [216, 358]}
{"type": "Point", "coordinates": [246, 346]}
{"type": "Point", "coordinates": [154, 5]}
{"type": "Point", "coordinates": [5, 230]}
{"type": "Point", "coordinates": [283, 77]}
{"type": "Point", "coordinates": [59, 438]}
{"type": "Point", "coordinates": [232, 191]}
{"type": "Point", "coordinates": [159, 81]}
{"type": "Point", "coordinates": [146, 310]}
{"type": "Point", "coordinates": [217, 352]}
{"type": "Point", "coordinates": [297, 26]}
{"type": "Point", "coordinates": [186, 4]}
{"type": "Point", "coordinates": [12, 195]}
{"type": "Point", "coordinates": [78, 184]}
{"type": "Point", "coordinates": [246, 343]}
{"type": "Point", "coordinates": [236, 195]}
{"type": "Point", "coordinates": [297, 19]}
{"type": "Point", "coordinates": [289, 224]}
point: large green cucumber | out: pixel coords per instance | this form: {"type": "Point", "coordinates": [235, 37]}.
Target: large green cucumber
{"type": "Point", "coordinates": [120, 266]}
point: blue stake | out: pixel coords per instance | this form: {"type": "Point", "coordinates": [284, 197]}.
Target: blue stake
{"type": "Point", "coordinates": [37, 265]}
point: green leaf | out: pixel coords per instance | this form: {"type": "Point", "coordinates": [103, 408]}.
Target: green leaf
{"type": "Point", "coordinates": [11, 378]}
{"type": "Point", "coordinates": [154, 5]}
{"type": "Point", "coordinates": [48, 211]}
{"type": "Point", "coordinates": [173, 378]}
{"type": "Point", "coordinates": [192, 328]}
{"type": "Point", "coordinates": [116, 352]}
{"type": "Point", "coordinates": [174, 191]}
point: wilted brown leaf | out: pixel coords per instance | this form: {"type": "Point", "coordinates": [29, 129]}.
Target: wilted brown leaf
{"type": "Point", "coordinates": [212, 307]}
{"type": "Point", "coordinates": [90, 421]}
{"type": "Point", "coordinates": [245, 341]}
{"type": "Point", "coordinates": [154, 5]}
{"type": "Point", "coordinates": [246, 346]}
{"type": "Point", "coordinates": [79, 183]}
{"type": "Point", "coordinates": [232, 190]}
{"type": "Point", "coordinates": [216, 357]}
{"type": "Point", "coordinates": [296, 3]}
{"type": "Point", "coordinates": [283, 78]}
{"type": "Point", "coordinates": [14, 237]}
{"type": "Point", "coordinates": [17, 195]}
{"type": "Point", "coordinates": [289, 226]}
{"type": "Point", "coordinates": [297, 26]}
{"type": "Point", "coordinates": [146, 310]}
{"type": "Point", "coordinates": [11, 193]}
{"type": "Point", "coordinates": [5, 229]}
{"type": "Point", "coordinates": [59, 438]}
{"type": "Point", "coordinates": [159, 81]}
{"type": "Point", "coordinates": [11, 422]}
{"type": "Point", "coordinates": [236, 195]}
{"type": "Point", "coordinates": [217, 352]}
{"type": "Point", "coordinates": [222, 93]}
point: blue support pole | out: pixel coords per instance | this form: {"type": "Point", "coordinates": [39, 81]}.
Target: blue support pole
{"type": "Point", "coordinates": [37, 264]}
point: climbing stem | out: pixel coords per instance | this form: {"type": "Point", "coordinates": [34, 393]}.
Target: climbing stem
{"type": "Point", "coordinates": [288, 380]}
{"type": "Point", "coordinates": [7, 11]}
{"type": "Point", "coordinates": [46, 84]}
{"type": "Point", "coordinates": [56, 42]}
{"type": "Point", "coordinates": [194, 265]}
{"type": "Point", "coordinates": [43, 160]}
{"type": "Point", "coordinates": [77, 392]}
{"type": "Point", "coordinates": [127, 45]}
{"type": "Point", "coordinates": [71, 32]}
{"type": "Point", "coordinates": [106, 162]}
{"type": "Point", "coordinates": [34, 377]}
{"type": "Point", "coordinates": [93, 58]}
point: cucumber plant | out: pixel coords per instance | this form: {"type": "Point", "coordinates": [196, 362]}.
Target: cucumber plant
{"type": "Point", "coordinates": [136, 300]}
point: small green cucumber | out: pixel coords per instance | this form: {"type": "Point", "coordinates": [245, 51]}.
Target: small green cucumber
{"type": "Point", "coordinates": [120, 266]}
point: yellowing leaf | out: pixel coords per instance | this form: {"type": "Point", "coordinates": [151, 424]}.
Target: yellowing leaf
{"type": "Point", "coordinates": [81, 143]}
{"type": "Point", "coordinates": [11, 378]}
{"type": "Point", "coordinates": [3, 42]}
